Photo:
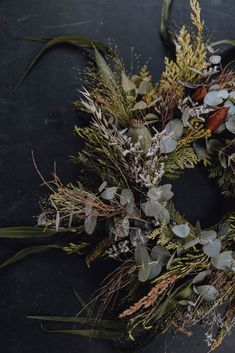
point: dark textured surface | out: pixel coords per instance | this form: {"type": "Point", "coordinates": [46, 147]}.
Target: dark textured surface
{"type": "Point", "coordinates": [39, 116]}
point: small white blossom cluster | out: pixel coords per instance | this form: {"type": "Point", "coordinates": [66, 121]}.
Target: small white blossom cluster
{"type": "Point", "coordinates": [116, 250]}
{"type": "Point", "coordinates": [194, 109]}
{"type": "Point", "coordinates": [148, 171]}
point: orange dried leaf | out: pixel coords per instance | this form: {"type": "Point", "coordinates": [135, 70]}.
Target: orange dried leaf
{"type": "Point", "coordinates": [200, 93]}
{"type": "Point", "coordinates": [217, 118]}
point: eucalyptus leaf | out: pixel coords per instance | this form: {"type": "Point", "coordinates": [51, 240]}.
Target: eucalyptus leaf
{"type": "Point", "coordinates": [213, 248]}
{"type": "Point", "coordinates": [213, 98]}
{"type": "Point", "coordinates": [186, 116]}
{"type": "Point", "coordinates": [90, 223]}
{"type": "Point", "coordinates": [99, 334]}
{"type": "Point", "coordinates": [169, 263]}
{"type": "Point", "coordinates": [167, 144]}
{"type": "Point", "coordinates": [143, 260]}
{"type": "Point", "coordinates": [230, 124]}
{"type": "Point", "coordinates": [208, 292]}
{"type": "Point", "coordinates": [201, 276]}
{"type": "Point", "coordinates": [155, 270]}
{"type": "Point", "coordinates": [109, 193]}
{"type": "Point", "coordinates": [174, 128]}
{"type": "Point", "coordinates": [215, 59]}
{"type": "Point", "coordinates": [161, 254]}
{"type": "Point", "coordinates": [191, 242]}
{"type": "Point", "coordinates": [140, 106]}
{"type": "Point", "coordinates": [144, 87]}
{"type": "Point", "coordinates": [200, 150]}
{"type": "Point", "coordinates": [161, 194]}
{"type": "Point", "coordinates": [181, 230]}
{"type": "Point", "coordinates": [206, 236]}
{"type": "Point", "coordinates": [104, 70]}
{"type": "Point", "coordinates": [224, 261]}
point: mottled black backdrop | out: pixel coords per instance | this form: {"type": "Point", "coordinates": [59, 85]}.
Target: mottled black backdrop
{"type": "Point", "coordinates": [39, 116]}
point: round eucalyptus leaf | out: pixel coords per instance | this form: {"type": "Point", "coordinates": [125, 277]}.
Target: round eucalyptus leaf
{"type": "Point", "coordinates": [214, 88]}
{"type": "Point", "coordinates": [140, 106]}
{"type": "Point", "coordinates": [155, 270]}
{"type": "Point", "coordinates": [162, 214]}
{"type": "Point", "coordinates": [162, 193]}
{"type": "Point", "coordinates": [102, 186]}
{"type": "Point", "coordinates": [213, 98]}
{"type": "Point", "coordinates": [167, 145]}
{"type": "Point", "coordinates": [223, 229]}
{"type": "Point", "coordinates": [109, 193]}
{"type": "Point", "coordinates": [127, 84]}
{"type": "Point", "coordinates": [201, 276]}
{"type": "Point", "coordinates": [213, 248]}
{"type": "Point", "coordinates": [181, 230]}
{"type": "Point", "coordinates": [200, 150]}
{"type": "Point", "coordinates": [208, 292]}
{"type": "Point", "coordinates": [224, 261]}
{"type": "Point", "coordinates": [206, 236]}
{"type": "Point", "coordinates": [213, 146]}
{"type": "Point", "coordinates": [230, 124]}
{"type": "Point", "coordinates": [215, 59]}
{"type": "Point", "coordinates": [174, 128]}
{"type": "Point", "coordinates": [223, 93]}
{"type": "Point", "coordinates": [142, 260]}
{"type": "Point", "coordinates": [137, 237]}
{"type": "Point", "coordinates": [223, 159]}
{"type": "Point", "coordinates": [161, 254]}
{"type": "Point", "coordinates": [90, 224]}
{"type": "Point", "coordinates": [190, 243]}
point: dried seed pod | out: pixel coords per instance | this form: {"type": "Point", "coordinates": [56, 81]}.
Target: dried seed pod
{"type": "Point", "coordinates": [199, 93]}
{"type": "Point", "coordinates": [217, 118]}
{"type": "Point", "coordinates": [138, 132]}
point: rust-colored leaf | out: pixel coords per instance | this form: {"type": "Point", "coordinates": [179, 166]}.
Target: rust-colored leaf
{"type": "Point", "coordinates": [199, 93]}
{"type": "Point", "coordinates": [217, 118]}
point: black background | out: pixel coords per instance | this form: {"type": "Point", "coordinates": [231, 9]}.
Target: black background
{"type": "Point", "coordinates": [39, 116]}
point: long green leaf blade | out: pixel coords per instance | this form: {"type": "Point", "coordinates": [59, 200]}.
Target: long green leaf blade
{"type": "Point", "coordinates": [164, 25]}
{"type": "Point", "coordinates": [26, 232]}
{"type": "Point", "coordinates": [109, 324]}
{"type": "Point", "coordinates": [26, 252]}
{"type": "Point", "coordinates": [72, 40]}
{"type": "Point", "coordinates": [224, 41]}
{"type": "Point", "coordinates": [98, 334]}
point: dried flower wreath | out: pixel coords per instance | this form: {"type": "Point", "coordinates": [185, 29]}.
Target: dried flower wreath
{"type": "Point", "coordinates": [170, 274]}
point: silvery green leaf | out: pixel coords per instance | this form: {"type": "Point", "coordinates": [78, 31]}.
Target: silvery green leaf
{"type": "Point", "coordinates": [190, 243]}
{"type": "Point", "coordinates": [230, 124]}
{"type": "Point", "coordinates": [140, 106]}
{"type": "Point", "coordinates": [199, 149]}
{"type": "Point", "coordinates": [162, 214]}
{"type": "Point", "coordinates": [168, 265]}
{"type": "Point", "coordinates": [138, 237]}
{"type": "Point", "coordinates": [126, 196]}
{"type": "Point", "coordinates": [149, 208]}
{"type": "Point", "coordinates": [174, 128]}
{"type": "Point", "coordinates": [223, 159]}
{"type": "Point", "coordinates": [144, 87]}
{"type": "Point", "coordinates": [90, 224]}
{"type": "Point", "coordinates": [161, 254]}
{"type": "Point", "coordinates": [186, 116]}
{"type": "Point", "coordinates": [213, 98]}
{"type": "Point", "coordinates": [214, 88]}
{"type": "Point", "coordinates": [213, 248]}
{"type": "Point", "coordinates": [127, 84]}
{"type": "Point", "coordinates": [223, 93]}
{"type": "Point", "coordinates": [208, 292]}
{"type": "Point", "coordinates": [162, 193]}
{"type": "Point", "coordinates": [232, 95]}
{"type": "Point", "coordinates": [102, 186]}
{"type": "Point", "coordinates": [167, 145]}
{"type": "Point", "coordinates": [215, 59]}
{"type": "Point", "coordinates": [201, 276]}
{"type": "Point", "coordinates": [223, 261]}
{"type": "Point", "coordinates": [231, 159]}
{"type": "Point", "coordinates": [223, 229]}
{"type": "Point", "coordinates": [155, 270]}
{"type": "Point", "coordinates": [109, 193]}
{"type": "Point", "coordinates": [143, 260]}
{"type": "Point", "coordinates": [88, 209]}
{"type": "Point", "coordinates": [181, 230]}
{"type": "Point", "coordinates": [213, 146]}
{"type": "Point", "coordinates": [122, 230]}
{"type": "Point", "coordinates": [206, 236]}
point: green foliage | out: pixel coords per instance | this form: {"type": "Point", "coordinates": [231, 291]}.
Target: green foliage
{"type": "Point", "coordinates": [183, 157]}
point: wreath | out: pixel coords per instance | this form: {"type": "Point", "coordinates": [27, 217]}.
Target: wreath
{"type": "Point", "coordinates": [170, 273]}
